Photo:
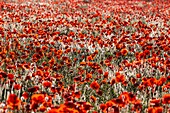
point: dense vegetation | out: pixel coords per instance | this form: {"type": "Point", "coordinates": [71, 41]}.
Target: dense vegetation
{"type": "Point", "coordinates": [72, 56]}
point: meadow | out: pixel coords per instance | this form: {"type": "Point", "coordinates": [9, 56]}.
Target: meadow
{"type": "Point", "coordinates": [75, 56]}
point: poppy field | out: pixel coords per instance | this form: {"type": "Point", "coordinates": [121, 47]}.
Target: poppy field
{"type": "Point", "coordinates": [91, 56]}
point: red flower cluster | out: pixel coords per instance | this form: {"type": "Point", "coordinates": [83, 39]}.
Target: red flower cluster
{"type": "Point", "coordinates": [75, 56]}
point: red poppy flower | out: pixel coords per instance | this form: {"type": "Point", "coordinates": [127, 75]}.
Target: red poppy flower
{"type": "Point", "coordinates": [10, 76]}
{"type": "Point", "coordinates": [132, 97]}
{"type": "Point", "coordinates": [104, 81]}
{"type": "Point", "coordinates": [158, 109]}
{"type": "Point", "coordinates": [124, 52]}
{"type": "Point", "coordinates": [100, 71]}
{"type": "Point", "coordinates": [33, 89]}
{"type": "Point", "coordinates": [155, 110]}
{"type": "Point", "coordinates": [113, 109]}
{"type": "Point", "coordinates": [87, 106]}
{"type": "Point", "coordinates": [58, 76]}
{"type": "Point", "coordinates": [25, 95]}
{"type": "Point", "coordinates": [151, 110]}
{"type": "Point", "coordinates": [42, 108]}
{"type": "Point", "coordinates": [107, 63]}
{"type": "Point", "coordinates": [120, 78]}
{"type": "Point", "coordinates": [17, 86]}
{"type": "Point", "coordinates": [77, 94]}
{"type": "Point", "coordinates": [99, 92]}
{"type": "Point", "coordinates": [11, 67]}
{"type": "Point", "coordinates": [89, 58]}
{"type": "Point", "coordinates": [137, 105]}
{"type": "Point", "coordinates": [94, 112]}
{"type": "Point", "coordinates": [88, 75]}
{"type": "Point", "coordinates": [93, 98]}
{"type": "Point", "coordinates": [70, 104]}
{"type": "Point", "coordinates": [13, 101]}
{"type": "Point", "coordinates": [26, 66]}
{"type": "Point", "coordinates": [67, 50]}
{"type": "Point", "coordinates": [106, 74]}
{"type": "Point", "coordinates": [138, 75]}
{"type": "Point", "coordinates": [103, 107]}
{"type": "Point", "coordinates": [109, 104]}
{"type": "Point", "coordinates": [51, 61]}
{"type": "Point", "coordinates": [90, 64]}
{"type": "Point", "coordinates": [47, 84]}
{"type": "Point", "coordinates": [133, 80]}
{"type": "Point", "coordinates": [82, 63]}
{"type": "Point", "coordinates": [161, 81]}
{"type": "Point", "coordinates": [53, 110]}
{"type": "Point", "coordinates": [119, 102]}
{"type": "Point", "coordinates": [113, 81]}
{"type": "Point", "coordinates": [125, 97]}
{"type": "Point", "coordinates": [155, 102]}
{"type": "Point", "coordinates": [38, 98]}
{"type": "Point", "coordinates": [95, 85]}
{"type": "Point", "coordinates": [166, 99]}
